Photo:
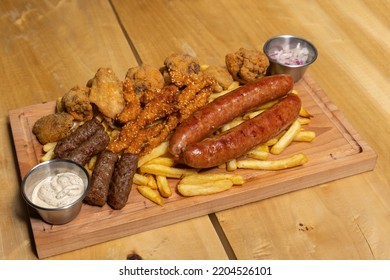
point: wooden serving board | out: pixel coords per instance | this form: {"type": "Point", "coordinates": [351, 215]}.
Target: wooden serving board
{"type": "Point", "coordinates": [338, 151]}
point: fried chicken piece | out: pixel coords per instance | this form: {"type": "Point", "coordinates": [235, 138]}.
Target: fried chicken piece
{"type": "Point", "coordinates": [221, 75]}
{"type": "Point", "coordinates": [182, 68]}
{"type": "Point", "coordinates": [53, 127]}
{"type": "Point", "coordinates": [133, 105]}
{"type": "Point", "coordinates": [158, 108]}
{"type": "Point", "coordinates": [169, 125]}
{"type": "Point", "coordinates": [76, 102]}
{"type": "Point", "coordinates": [144, 81]}
{"type": "Point", "coordinates": [246, 65]}
{"type": "Point", "coordinates": [196, 103]}
{"type": "Point", "coordinates": [107, 93]}
{"type": "Point", "coordinates": [143, 136]}
{"type": "Point", "coordinates": [142, 84]}
{"type": "Point", "coordinates": [189, 95]}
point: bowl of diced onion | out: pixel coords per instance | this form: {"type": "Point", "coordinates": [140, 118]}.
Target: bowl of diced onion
{"type": "Point", "coordinates": [289, 54]}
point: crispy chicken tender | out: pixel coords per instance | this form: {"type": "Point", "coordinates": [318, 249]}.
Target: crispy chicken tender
{"type": "Point", "coordinates": [142, 84]}
{"type": "Point", "coordinates": [159, 108]}
{"type": "Point", "coordinates": [53, 127]}
{"type": "Point", "coordinates": [182, 68]}
{"type": "Point", "coordinates": [221, 75]}
{"type": "Point", "coordinates": [246, 65]}
{"type": "Point", "coordinates": [76, 102]}
{"type": "Point", "coordinates": [107, 93]}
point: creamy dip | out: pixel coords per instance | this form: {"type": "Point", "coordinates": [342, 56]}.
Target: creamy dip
{"type": "Point", "coordinates": [58, 190]}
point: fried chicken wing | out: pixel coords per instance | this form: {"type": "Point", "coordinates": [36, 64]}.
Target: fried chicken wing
{"type": "Point", "coordinates": [221, 75]}
{"type": "Point", "coordinates": [76, 102]}
{"type": "Point", "coordinates": [107, 93]}
{"type": "Point", "coordinates": [53, 127]}
{"type": "Point", "coordinates": [246, 65]}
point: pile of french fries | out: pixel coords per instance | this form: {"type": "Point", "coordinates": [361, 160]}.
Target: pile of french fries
{"type": "Point", "coordinates": [156, 169]}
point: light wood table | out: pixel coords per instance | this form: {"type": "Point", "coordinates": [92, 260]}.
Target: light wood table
{"type": "Point", "coordinates": [47, 47]}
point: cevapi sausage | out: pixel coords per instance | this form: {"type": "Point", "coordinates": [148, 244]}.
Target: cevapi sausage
{"type": "Point", "coordinates": [93, 146]}
{"type": "Point", "coordinates": [209, 118]}
{"type": "Point", "coordinates": [101, 178]}
{"type": "Point", "coordinates": [237, 141]}
{"type": "Point", "coordinates": [80, 135]}
{"type": "Point", "coordinates": [122, 181]}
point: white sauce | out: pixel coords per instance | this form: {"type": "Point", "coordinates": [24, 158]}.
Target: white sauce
{"type": "Point", "coordinates": [58, 190]}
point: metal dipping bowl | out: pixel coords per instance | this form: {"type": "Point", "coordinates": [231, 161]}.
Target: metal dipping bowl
{"type": "Point", "coordinates": [60, 215]}
{"type": "Point", "coordinates": [277, 43]}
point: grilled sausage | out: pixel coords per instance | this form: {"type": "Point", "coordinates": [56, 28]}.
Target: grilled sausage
{"type": "Point", "coordinates": [93, 146]}
{"type": "Point", "coordinates": [80, 135]}
{"type": "Point", "coordinates": [209, 118]}
{"type": "Point", "coordinates": [237, 141]}
{"type": "Point", "coordinates": [101, 178]}
{"type": "Point", "coordinates": [122, 180]}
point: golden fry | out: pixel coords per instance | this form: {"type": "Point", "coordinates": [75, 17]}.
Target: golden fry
{"type": "Point", "coordinates": [295, 160]}
{"type": "Point", "coordinates": [151, 194]}
{"type": "Point", "coordinates": [91, 163]}
{"type": "Point", "coordinates": [251, 115]}
{"type": "Point", "coordinates": [231, 165]}
{"type": "Point", "coordinates": [258, 154]}
{"type": "Point", "coordinates": [49, 146]}
{"type": "Point", "coordinates": [167, 161]}
{"type": "Point", "coordinates": [304, 113]}
{"type": "Point", "coordinates": [287, 138]}
{"type": "Point", "coordinates": [204, 188]}
{"type": "Point", "coordinates": [139, 179]}
{"type": "Point", "coordinates": [163, 186]}
{"type": "Point", "coordinates": [233, 123]}
{"type": "Point", "coordinates": [170, 172]}
{"type": "Point", "coordinates": [304, 121]}
{"type": "Point", "coordinates": [305, 136]}
{"type": "Point", "coordinates": [156, 152]}
{"type": "Point", "coordinates": [48, 156]}
{"type": "Point", "coordinates": [212, 177]}
{"type": "Point", "coordinates": [151, 181]}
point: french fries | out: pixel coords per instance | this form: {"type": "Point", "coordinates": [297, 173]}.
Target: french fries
{"type": "Point", "coordinates": [167, 161]}
{"type": "Point", "coordinates": [140, 179]}
{"type": "Point", "coordinates": [277, 164]}
{"type": "Point", "coordinates": [305, 136]}
{"type": "Point", "coordinates": [204, 188]}
{"type": "Point", "coordinates": [170, 172]}
{"type": "Point", "coordinates": [48, 155]}
{"type": "Point", "coordinates": [151, 194]}
{"type": "Point", "coordinates": [212, 177]}
{"type": "Point", "coordinates": [163, 186]}
{"type": "Point", "coordinates": [156, 152]}
{"type": "Point", "coordinates": [286, 139]}
{"type": "Point", "coordinates": [49, 146]}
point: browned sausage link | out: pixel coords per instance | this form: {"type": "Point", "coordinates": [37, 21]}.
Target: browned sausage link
{"type": "Point", "coordinates": [80, 135]}
{"type": "Point", "coordinates": [101, 178]}
{"type": "Point", "coordinates": [93, 146]}
{"type": "Point", "coordinates": [209, 118]}
{"type": "Point", "coordinates": [122, 181]}
{"type": "Point", "coordinates": [237, 141]}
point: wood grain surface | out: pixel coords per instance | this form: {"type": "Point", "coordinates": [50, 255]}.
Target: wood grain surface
{"type": "Point", "coordinates": [47, 47]}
